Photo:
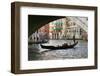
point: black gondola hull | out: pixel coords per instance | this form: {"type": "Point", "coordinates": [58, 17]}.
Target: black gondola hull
{"type": "Point", "coordinates": [58, 47]}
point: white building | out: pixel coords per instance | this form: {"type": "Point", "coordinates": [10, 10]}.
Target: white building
{"type": "Point", "coordinates": [68, 27]}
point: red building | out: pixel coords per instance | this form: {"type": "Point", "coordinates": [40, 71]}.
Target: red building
{"type": "Point", "coordinates": [44, 31]}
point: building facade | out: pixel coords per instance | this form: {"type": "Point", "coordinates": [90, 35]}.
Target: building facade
{"type": "Point", "coordinates": [41, 34]}
{"type": "Point", "coordinates": [65, 29]}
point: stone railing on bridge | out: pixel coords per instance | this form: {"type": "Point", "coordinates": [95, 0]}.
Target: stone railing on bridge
{"type": "Point", "coordinates": [79, 22]}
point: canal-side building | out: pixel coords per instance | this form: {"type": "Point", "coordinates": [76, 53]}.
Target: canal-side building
{"type": "Point", "coordinates": [56, 29]}
{"type": "Point", "coordinates": [71, 30]}
{"type": "Point", "coordinates": [68, 27]}
{"type": "Point", "coordinates": [44, 32]}
{"type": "Point", "coordinates": [41, 34]}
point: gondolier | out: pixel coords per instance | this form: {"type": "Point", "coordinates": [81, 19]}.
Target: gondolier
{"type": "Point", "coordinates": [74, 38]}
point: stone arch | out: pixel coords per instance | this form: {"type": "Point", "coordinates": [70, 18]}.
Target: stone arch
{"type": "Point", "coordinates": [37, 21]}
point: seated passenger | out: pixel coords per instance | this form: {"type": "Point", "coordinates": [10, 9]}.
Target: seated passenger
{"type": "Point", "coordinates": [65, 44]}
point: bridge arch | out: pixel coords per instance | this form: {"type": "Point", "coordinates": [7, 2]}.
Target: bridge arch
{"type": "Point", "coordinates": [37, 21]}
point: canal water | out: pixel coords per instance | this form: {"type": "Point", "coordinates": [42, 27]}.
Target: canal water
{"type": "Point", "coordinates": [35, 52]}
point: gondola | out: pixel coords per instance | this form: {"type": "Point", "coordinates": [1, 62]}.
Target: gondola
{"type": "Point", "coordinates": [64, 46]}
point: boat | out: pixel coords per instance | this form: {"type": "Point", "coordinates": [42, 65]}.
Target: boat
{"type": "Point", "coordinates": [64, 46]}
{"type": "Point", "coordinates": [38, 42]}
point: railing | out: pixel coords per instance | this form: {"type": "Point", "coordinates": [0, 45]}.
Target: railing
{"type": "Point", "coordinates": [79, 22]}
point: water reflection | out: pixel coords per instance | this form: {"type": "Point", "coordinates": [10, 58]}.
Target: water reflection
{"type": "Point", "coordinates": [35, 52]}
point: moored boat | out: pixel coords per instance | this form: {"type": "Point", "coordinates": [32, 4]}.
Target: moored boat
{"type": "Point", "coordinates": [37, 42]}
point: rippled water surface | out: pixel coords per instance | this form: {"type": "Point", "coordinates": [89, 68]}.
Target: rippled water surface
{"type": "Point", "coordinates": [35, 52]}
